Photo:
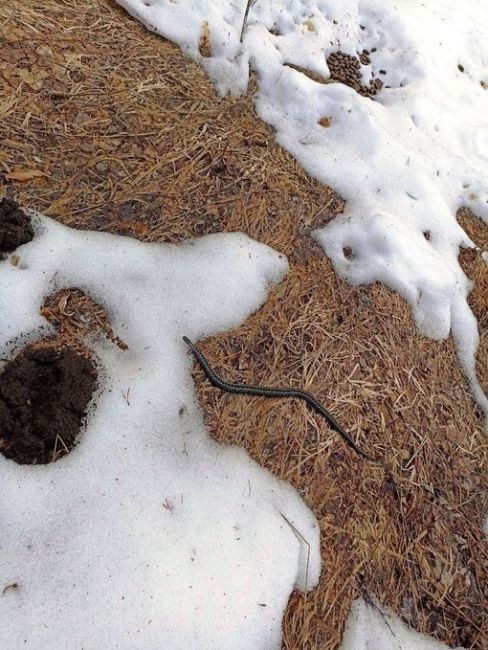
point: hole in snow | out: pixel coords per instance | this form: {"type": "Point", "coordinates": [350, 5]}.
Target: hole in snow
{"type": "Point", "coordinates": [75, 315]}
{"type": "Point", "coordinates": [426, 234]}
{"type": "Point", "coordinates": [46, 389]}
{"type": "Point", "coordinates": [348, 254]}
{"type": "Point", "coordinates": [275, 31]}
{"type": "Point", "coordinates": [44, 395]}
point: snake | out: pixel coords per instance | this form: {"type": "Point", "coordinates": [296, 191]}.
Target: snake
{"type": "Point", "coordinates": [268, 391]}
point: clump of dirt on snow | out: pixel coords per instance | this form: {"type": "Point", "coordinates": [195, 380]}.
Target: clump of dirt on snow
{"type": "Point", "coordinates": [15, 226]}
{"type": "Point", "coordinates": [44, 395]}
{"type": "Point", "coordinates": [346, 69]}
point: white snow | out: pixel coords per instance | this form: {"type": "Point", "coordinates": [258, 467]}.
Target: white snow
{"type": "Point", "coordinates": [404, 162]}
{"type": "Point", "coordinates": [148, 535]}
{"type": "Point", "coordinates": [372, 628]}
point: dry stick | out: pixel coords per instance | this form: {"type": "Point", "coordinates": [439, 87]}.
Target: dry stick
{"type": "Point", "coordinates": [55, 450]}
{"type": "Point", "coordinates": [250, 3]}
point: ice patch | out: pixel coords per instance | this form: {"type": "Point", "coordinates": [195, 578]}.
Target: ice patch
{"type": "Point", "coordinates": [148, 534]}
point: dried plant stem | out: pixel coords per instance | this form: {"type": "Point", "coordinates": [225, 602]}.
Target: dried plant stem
{"type": "Point", "coordinates": [250, 3]}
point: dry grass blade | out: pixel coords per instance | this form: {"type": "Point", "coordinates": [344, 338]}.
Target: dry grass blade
{"type": "Point", "coordinates": [307, 544]}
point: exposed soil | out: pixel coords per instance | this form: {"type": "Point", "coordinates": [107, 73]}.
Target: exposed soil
{"type": "Point", "coordinates": [44, 395]}
{"type": "Point", "coordinates": [15, 226]}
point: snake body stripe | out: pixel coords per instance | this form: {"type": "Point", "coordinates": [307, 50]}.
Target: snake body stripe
{"type": "Point", "coordinates": [267, 391]}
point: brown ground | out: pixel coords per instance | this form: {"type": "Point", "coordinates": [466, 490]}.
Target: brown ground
{"type": "Point", "coordinates": [477, 270]}
{"type": "Point", "coordinates": [103, 125]}
{"type": "Point", "coordinates": [77, 318]}
{"type": "Point", "coordinates": [15, 226]}
{"type": "Point", "coordinates": [44, 395]}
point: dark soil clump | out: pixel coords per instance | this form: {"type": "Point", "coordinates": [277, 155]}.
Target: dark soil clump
{"type": "Point", "coordinates": [15, 226]}
{"type": "Point", "coordinates": [44, 395]}
{"type": "Point", "coordinates": [346, 69]}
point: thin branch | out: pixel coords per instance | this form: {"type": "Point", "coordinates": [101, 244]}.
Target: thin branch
{"type": "Point", "coordinates": [250, 3]}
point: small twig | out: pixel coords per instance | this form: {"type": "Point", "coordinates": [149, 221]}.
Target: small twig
{"type": "Point", "coordinates": [168, 505]}
{"type": "Point", "coordinates": [384, 619]}
{"type": "Point", "coordinates": [298, 533]}
{"type": "Point", "coordinates": [126, 396]}
{"type": "Point", "coordinates": [250, 3]}
{"type": "Point", "coordinates": [55, 450]}
{"type": "Point", "coordinates": [14, 585]}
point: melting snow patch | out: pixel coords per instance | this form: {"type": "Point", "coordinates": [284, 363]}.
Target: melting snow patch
{"type": "Point", "coordinates": [148, 534]}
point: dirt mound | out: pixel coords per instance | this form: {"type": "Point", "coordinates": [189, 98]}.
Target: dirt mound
{"type": "Point", "coordinates": [15, 226]}
{"type": "Point", "coordinates": [346, 69]}
{"type": "Point", "coordinates": [44, 395]}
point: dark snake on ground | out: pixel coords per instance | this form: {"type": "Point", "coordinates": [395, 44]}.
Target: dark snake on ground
{"type": "Point", "coordinates": [268, 391]}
